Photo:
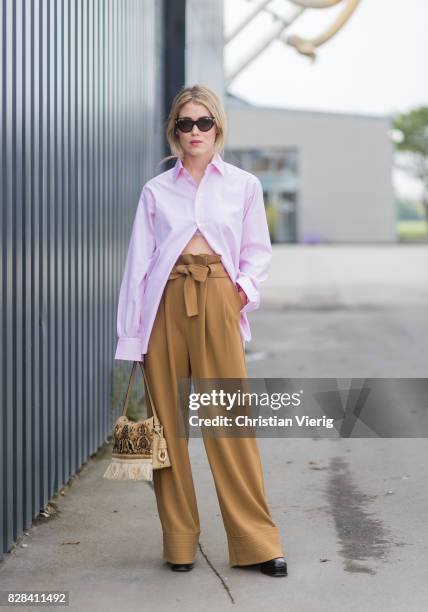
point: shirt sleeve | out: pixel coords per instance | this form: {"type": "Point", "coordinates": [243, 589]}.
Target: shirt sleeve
{"type": "Point", "coordinates": [256, 248]}
{"type": "Point", "coordinates": [141, 246]}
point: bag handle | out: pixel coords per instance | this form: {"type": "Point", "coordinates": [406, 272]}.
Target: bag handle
{"type": "Point", "coordinates": [128, 391]}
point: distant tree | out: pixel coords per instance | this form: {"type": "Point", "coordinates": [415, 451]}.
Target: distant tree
{"type": "Point", "coordinates": [413, 129]}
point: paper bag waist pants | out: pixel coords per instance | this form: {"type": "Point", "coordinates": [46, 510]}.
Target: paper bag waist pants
{"type": "Point", "coordinates": [196, 335]}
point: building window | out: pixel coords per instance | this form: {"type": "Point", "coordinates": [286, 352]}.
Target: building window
{"type": "Point", "coordinates": [277, 170]}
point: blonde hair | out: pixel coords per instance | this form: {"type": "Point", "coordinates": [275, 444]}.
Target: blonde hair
{"type": "Point", "coordinates": [201, 95]}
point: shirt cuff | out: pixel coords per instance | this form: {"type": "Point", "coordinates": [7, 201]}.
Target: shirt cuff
{"type": "Point", "coordinates": [252, 294]}
{"type": "Point", "coordinates": [129, 349]}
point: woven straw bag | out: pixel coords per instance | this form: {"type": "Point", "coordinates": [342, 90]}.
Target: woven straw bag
{"type": "Point", "coordinates": [139, 447]}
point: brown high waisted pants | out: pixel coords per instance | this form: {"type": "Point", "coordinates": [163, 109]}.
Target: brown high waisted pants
{"type": "Point", "coordinates": [196, 335]}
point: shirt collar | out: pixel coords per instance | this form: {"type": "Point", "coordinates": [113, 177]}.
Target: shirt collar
{"type": "Point", "coordinates": [216, 161]}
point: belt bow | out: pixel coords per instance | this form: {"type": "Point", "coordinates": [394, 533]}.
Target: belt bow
{"type": "Point", "coordinates": [193, 272]}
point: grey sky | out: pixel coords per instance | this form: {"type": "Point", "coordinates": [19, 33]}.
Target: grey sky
{"type": "Point", "coordinates": [377, 63]}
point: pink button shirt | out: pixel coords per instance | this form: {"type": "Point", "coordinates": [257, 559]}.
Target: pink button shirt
{"type": "Point", "coordinates": [228, 209]}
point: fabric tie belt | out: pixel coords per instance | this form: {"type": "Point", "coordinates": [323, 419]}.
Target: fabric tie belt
{"type": "Point", "coordinates": [194, 273]}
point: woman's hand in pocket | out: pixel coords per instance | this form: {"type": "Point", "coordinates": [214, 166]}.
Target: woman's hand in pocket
{"type": "Point", "coordinates": [243, 296]}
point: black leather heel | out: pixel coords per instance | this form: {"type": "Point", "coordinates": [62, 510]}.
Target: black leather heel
{"type": "Point", "coordinates": [181, 567]}
{"type": "Point", "coordinates": [274, 567]}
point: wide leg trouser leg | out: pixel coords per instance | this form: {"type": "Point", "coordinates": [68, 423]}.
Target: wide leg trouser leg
{"type": "Point", "coordinates": [166, 360]}
{"type": "Point", "coordinates": [216, 351]}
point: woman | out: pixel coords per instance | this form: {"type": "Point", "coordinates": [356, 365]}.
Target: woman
{"type": "Point", "coordinates": [199, 250]}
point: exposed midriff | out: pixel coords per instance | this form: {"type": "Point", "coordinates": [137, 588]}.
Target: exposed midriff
{"type": "Point", "coordinates": [197, 244]}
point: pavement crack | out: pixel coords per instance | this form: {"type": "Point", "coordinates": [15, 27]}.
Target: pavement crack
{"type": "Point", "coordinates": [219, 576]}
{"type": "Point", "coordinates": [225, 586]}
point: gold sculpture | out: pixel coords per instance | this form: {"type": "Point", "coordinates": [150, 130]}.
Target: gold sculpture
{"type": "Point", "coordinates": [305, 46]}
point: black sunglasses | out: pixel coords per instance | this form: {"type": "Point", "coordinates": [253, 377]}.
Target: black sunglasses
{"type": "Point", "coordinates": [185, 124]}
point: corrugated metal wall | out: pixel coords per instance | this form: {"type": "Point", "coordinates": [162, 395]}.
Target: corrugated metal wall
{"type": "Point", "coordinates": [80, 133]}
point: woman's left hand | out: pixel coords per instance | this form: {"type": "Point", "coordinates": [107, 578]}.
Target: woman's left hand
{"type": "Point", "coordinates": [243, 296]}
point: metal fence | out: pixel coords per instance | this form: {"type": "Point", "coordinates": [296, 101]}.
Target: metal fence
{"type": "Point", "coordinates": [80, 133]}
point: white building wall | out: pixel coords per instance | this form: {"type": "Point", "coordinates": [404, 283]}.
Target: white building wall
{"type": "Point", "coordinates": [345, 168]}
